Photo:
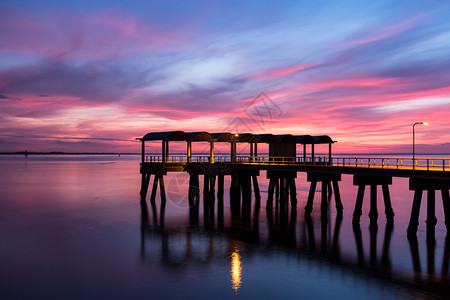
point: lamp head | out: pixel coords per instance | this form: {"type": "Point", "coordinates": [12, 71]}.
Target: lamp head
{"type": "Point", "coordinates": [236, 134]}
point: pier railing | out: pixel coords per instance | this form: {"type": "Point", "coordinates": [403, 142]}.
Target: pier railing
{"type": "Point", "coordinates": [428, 164]}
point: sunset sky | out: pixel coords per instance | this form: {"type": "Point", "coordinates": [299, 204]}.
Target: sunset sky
{"type": "Point", "coordinates": [94, 75]}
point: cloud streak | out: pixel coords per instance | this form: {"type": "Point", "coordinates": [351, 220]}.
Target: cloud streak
{"type": "Point", "coordinates": [97, 76]}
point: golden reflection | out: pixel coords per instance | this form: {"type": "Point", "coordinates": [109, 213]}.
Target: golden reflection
{"type": "Point", "coordinates": [236, 270]}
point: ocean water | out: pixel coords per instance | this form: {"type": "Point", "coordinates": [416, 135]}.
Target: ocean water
{"type": "Point", "coordinates": [72, 227]}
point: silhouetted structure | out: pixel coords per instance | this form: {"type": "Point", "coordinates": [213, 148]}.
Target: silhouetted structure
{"type": "Point", "coordinates": [282, 165]}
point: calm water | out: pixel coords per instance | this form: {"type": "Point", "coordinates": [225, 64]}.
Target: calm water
{"type": "Point", "coordinates": [72, 227]}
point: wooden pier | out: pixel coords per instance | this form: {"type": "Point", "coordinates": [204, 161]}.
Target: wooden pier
{"type": "Point", "coordinates": [282, 165]}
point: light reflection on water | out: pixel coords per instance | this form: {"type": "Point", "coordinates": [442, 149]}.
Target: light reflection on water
{"type": "Point", "coordinates": [76, 229]}
{"type": "Point", "coordinates": [236, 270]}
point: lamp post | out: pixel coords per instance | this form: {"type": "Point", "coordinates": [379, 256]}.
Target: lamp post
{"type": "Point", "coordinates": [414, 140]}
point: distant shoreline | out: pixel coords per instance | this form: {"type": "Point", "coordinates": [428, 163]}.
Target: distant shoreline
{"type": "Point", "coordinates": [131, 153]}
{"type": "Point", "coordinates": [66, 153]}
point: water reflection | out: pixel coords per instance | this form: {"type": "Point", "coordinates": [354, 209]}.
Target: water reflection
{"type": "Point", "coordinates": [236, 270]}
{"type": "Point", "coordinates": [385, 265]}
{"type": "Point", "coordinates": [429, 276]}
{"type": "Point", "coordinates": [318, 238]}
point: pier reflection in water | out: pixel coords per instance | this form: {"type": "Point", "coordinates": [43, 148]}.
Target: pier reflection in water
{"type": "Point", "coordinates": [243, 232]}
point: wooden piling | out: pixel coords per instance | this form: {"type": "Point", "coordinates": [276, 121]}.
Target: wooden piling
{"type": "Point", "coordinates": [359, 201]}
{"type": "Point", "coordinates": [312, 191]}
{"type": "Point", "coordinates": [373, 214]}
{"type": "Point", "coordinates": [446, 204]}
{"type": "Point", "coordinates": [337, 197]}
{"type": "Point", "coordinates": [256, 188]}
{"type": "Point", "coordinates": [161, 189]}
{"type": "Point", "coordinates": [389, 212]}
{"type": "Point", "coordinates": [431, 216]}
{"type": "Point", "coordinates": [414, 219]}
{"type": "Point", "coordinates": [154, 188]}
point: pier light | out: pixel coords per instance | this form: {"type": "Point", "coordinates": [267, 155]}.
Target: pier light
{"type": "Point", "coordinates": [236, 134]}
{"type": "Point", "coordinates": [414, 140]}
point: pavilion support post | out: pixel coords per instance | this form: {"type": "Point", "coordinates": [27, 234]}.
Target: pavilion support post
{"type": "Point", "coordinates": [233, 152]}
{"type": "Point", "coordinates": [256, 149]}
{"type": "Point", "coordinates": [143, 152]}
{"type": "Point", "coordinates": [189, 151]}
{"type": "Point", "coordinates": [211, 152]}
{"type": "Point", "coordinates": [304, 153]}
{"type": "Point", "coordinates": [163, 154]}
{"type": "Point", "coordinates": [312, 154]}
{"type": "Point", "coordinates": [329, 154]}
{"type": "Point", "coordinates": [167, 151]}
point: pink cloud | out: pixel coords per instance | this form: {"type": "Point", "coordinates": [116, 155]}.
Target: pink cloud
{"type": "Point", "coordinates": [280, 72]}
{"type": "Point", "coordinates": [101, 35]}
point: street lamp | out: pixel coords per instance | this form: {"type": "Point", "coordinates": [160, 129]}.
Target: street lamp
{"type": "Point", "coordinates": [414, 140]}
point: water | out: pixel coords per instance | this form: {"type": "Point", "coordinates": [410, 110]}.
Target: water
{"type": "Point", "coordinates": [72, 227]}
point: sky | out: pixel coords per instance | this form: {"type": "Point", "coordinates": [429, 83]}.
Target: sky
{"type": "Point", "coordinates": [92, 76]}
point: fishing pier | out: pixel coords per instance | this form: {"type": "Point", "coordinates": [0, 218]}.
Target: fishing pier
{"type": "Point", "coordinates": [282, 165]}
